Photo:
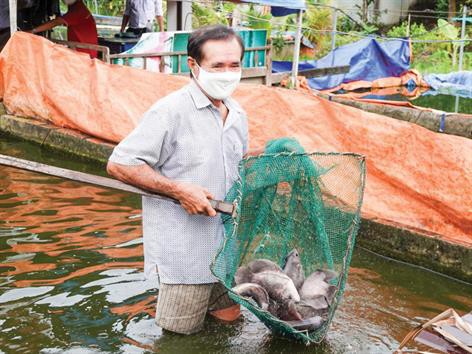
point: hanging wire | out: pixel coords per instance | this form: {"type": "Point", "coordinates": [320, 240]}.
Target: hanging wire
{"type": "Point", "coordinates": [356, 34]}
{"type": "Point", "coordinates": [329, 31]}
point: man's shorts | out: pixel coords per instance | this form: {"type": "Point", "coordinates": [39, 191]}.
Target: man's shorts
{"type": "Point", "coordinates": [182, 308]}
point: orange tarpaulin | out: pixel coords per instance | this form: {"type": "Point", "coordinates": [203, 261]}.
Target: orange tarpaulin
{"type": "Point", "coordinates": [416, 178]}
{"type": "Point", "coordinates": [410, 75]}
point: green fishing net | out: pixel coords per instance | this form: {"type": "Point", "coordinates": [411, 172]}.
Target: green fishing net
{"type": "Point", "coordinates": [287, 198]}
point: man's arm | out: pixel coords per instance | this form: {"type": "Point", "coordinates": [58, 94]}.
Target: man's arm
{"type": "Point", "coordinates": [49, 25]}
{"type": "Point", "coordinates": [160, 22]}
{"type": "Point", "coordinates": [159, 14]}
{"type": "Point", "coordinates": [124, 22]}
{"type": "Point", "coordinates": [193, 198]}
{"type": "Point", "coordinates": [126, 13]}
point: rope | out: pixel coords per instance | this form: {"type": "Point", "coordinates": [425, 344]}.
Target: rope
{"type": "Point", "coordinates": [442, 123]}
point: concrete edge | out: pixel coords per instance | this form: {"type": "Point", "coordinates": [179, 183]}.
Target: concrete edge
{"type": "Point", "coordinates": [431, 252]}
{"type": "Point", "coordinates": [60, 139]}
{"type": "Point", "coordinates": [454, 124]}
{"type": "Point", "coordinates": [386, 239]}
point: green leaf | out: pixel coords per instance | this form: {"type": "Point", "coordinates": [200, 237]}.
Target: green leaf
{"type": "Point", "coordinates": [448, 30]}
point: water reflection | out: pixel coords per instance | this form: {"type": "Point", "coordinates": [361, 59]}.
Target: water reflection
{"type": "Point", "coordinates": [71, 281]}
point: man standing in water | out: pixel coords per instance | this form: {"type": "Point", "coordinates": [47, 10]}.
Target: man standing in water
{"type": "Point", "coordinates": [188, 146]}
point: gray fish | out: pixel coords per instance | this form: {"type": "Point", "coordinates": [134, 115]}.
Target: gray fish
{"type": "Point", "coordinates": [306, 310]}
{"type": "Point", "coordinates": [293, 268]}
{"type": "Point", "coordinates": [308, 324]}
{"type": "Point", "coordinates": [315, 285]}
{"type": "Point", "coordinates": [279, 286]}
{"type": "Point", "coordinates": [262, 265]}
{"type": "Point", "coordinates": [329, 275]}
{"type": "Point", "coordinates": [243, 275]}
{"type": "Point", "coordinates": [254, 291]}
{"type": "Point", "coordinates": [286, 311]}
{"type": "Point", "coordinates": [317, 302]}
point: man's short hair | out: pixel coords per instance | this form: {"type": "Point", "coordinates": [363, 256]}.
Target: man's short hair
{"type": "Point", "coordinates": [210, 33]}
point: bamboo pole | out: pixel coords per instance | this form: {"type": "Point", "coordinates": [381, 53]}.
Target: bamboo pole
{"type": "Point", "coordinates": [37, 167]}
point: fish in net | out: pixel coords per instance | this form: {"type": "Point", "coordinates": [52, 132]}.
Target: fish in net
{"type": "Point", "coordinates": [289, 199]}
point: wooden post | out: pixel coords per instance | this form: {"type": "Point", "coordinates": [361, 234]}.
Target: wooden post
{"type": "Point", "coordinates": [296, 51]}
{"type": "Point", "coordinates": [456, 105]}
{"type": "Point", "coordinates": [268, 79]}
{"type": "Point", "coordinates": [13, 11]}
{"type": "Point", "coordinates": [408, 26]}
{"type": "Point", "coordinates": [461, 50]}
{"type": "Point", "coordinates": [333, 31]}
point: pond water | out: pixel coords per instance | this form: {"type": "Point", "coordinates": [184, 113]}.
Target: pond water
{"type": "Point", "coordinates": [71, 279]}
{"type": "Point", "coordinates": [442, 102]}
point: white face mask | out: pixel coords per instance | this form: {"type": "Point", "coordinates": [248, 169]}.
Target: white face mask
{"type": "Point", "coordinates": [218, 85]}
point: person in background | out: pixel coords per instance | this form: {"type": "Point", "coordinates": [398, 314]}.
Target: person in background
{"type": "Point", "coordinates": [80, 25]}
{"type": "Point", "coordinates": [139, 16]}
{"type": "Point", "coordinates": [4, 23]}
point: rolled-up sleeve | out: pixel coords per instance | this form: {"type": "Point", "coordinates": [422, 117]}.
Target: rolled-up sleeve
{"type": "Point", "coordinates": [149, 143]}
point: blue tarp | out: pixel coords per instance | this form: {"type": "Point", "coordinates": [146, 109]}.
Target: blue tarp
{"type": "Point", "coordinates": [281, 7]}
{"type": "Point", "coordinates": [456, 83]}
{"type": "Point", "coordinates": [368, 58]}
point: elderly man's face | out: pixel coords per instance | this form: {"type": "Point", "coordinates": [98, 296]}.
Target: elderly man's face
{"type": "Point", "coordinates": [220, 56]}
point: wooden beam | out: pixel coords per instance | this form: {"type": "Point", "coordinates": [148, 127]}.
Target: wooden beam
{"type": "Point", "coordinates": [310, 73]}
{"type": "Point", "coordinates": [223, 207]}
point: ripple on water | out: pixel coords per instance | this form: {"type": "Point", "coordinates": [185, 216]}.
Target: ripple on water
{"type": "Point", "coordinates": [22, 293]}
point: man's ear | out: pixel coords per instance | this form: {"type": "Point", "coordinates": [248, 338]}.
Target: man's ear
{"type": "Point", "coordinates": [192, 64]}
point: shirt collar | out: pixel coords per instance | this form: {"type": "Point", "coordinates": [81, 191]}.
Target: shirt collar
{"type": "Point", "coordinates": [199, 98]}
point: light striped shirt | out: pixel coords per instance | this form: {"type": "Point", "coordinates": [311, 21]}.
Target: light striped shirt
{"type": "Point", "coordinates": [183, 137]}
{"type": "Point", "coordinates": [142, 12]}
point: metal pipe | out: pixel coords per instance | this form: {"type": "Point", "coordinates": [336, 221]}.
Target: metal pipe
{"type": "Point", "coordinates": [408, 26]}
{"type": "Point", "coordinates": [13, 11]}
{"type": "Point", "coordinates": [296, 51]}
{"type": "Point", "coordinates": [333, 32]}
{"type": "Point", "coordinates": [461, 50]}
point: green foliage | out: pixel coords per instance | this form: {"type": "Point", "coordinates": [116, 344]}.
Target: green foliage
{"type": "Point", "coordinates": [204, 15]}
{"type": "Point", "coordinates": [442, 5]}
{"type": "Point", "coordinates": [317, 20]}
{"type": "Point", "coordinates": [278, 42]}
{"type": "Point", "coordinates": [257, 20]}
{"type": "Point", "coordinates": [433, 57]}
{"type": "Point", "coordinates": [106, 7]}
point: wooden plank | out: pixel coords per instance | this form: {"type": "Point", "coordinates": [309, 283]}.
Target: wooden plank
{"type": "Point", "coordinates": [147, 55]}
{"type": "Point", "coordinates": [310, 73]}
{"type": "Point", "coordinates": [99, 48]}
{"type": "Point", "coordinates": [254, 72]}
{"type": "Point", "coordinates": [33, 166]}
{"type": "Point", "coordinates": [171, 54]}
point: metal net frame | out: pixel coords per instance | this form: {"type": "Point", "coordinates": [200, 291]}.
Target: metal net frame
{"type": "Point", "coordinates": [285, 199]}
